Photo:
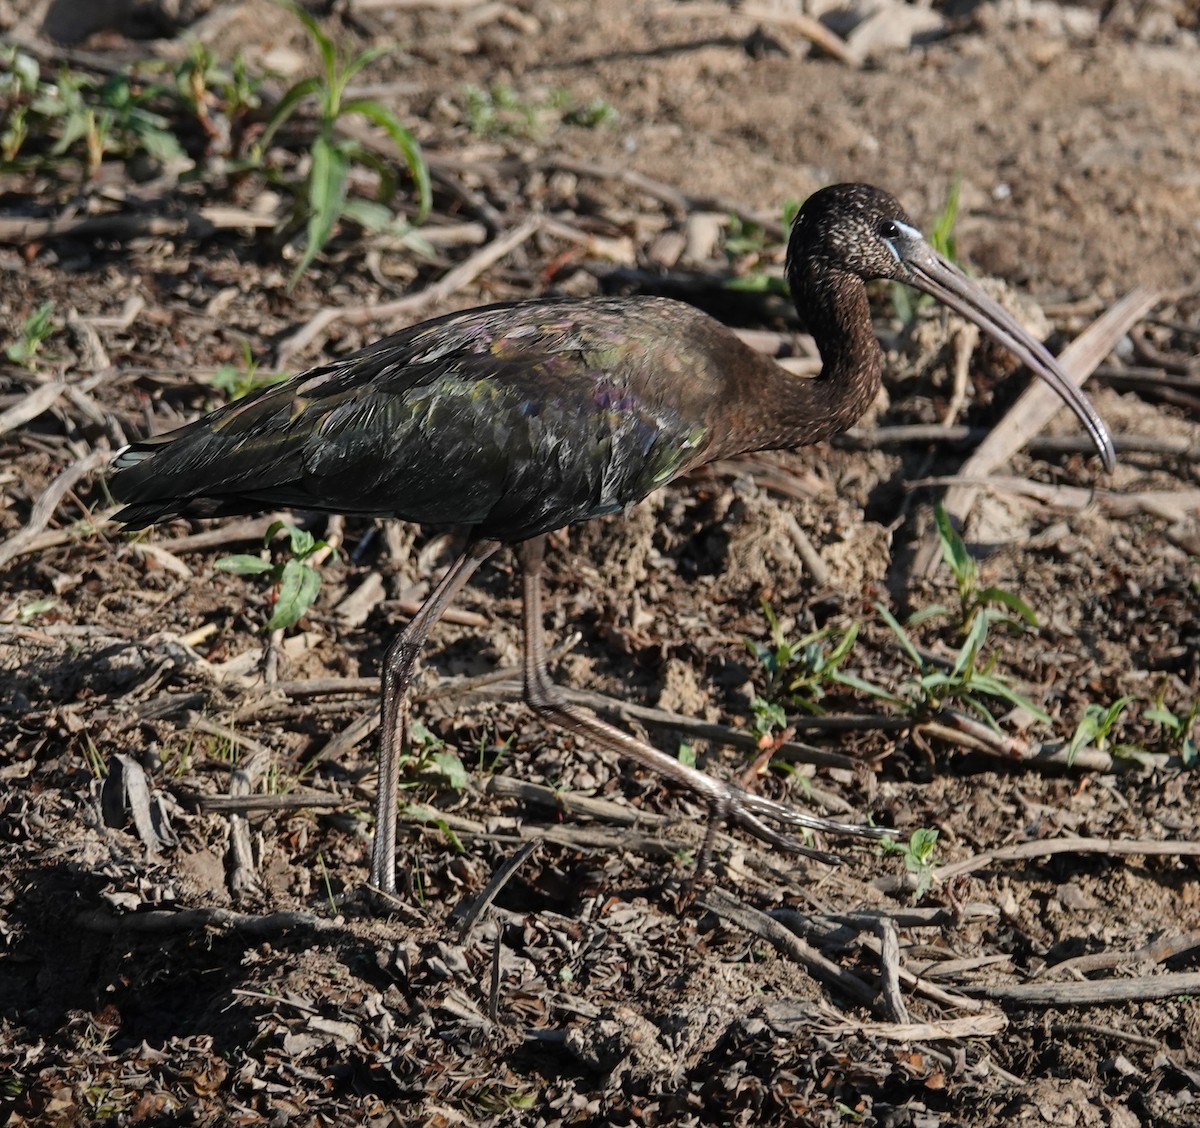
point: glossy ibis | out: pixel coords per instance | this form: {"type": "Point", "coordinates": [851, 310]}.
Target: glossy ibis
{"type": "Point", "coordinates": [514, 420]}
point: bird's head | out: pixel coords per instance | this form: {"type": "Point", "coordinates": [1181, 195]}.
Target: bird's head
{"type": "Point", "coordinates": [854, 229]}
{"type": "Point", "coordinates": [847, 234]}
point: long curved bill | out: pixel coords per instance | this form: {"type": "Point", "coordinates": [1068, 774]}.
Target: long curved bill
{"type": "Point", "coordinates": [936, 276]}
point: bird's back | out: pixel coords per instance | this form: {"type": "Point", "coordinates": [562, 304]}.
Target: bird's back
{"type": "Point", "coordinates": [515, 419]}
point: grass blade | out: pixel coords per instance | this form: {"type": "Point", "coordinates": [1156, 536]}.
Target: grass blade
{"type": "Point", "coordinates": [326, 193]}
{"type": "Point", "coordinates": [404, 141]}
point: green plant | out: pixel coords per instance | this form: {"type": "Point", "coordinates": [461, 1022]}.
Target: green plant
{"type": "Point", "coordinates": [37, 328]}
{"type": "Point", "coordinates": [124, 109]}
{"type": "Point", "coordinates": [47, 121]}
{"type": "Point", "coordinates": [918, 857]}
{"type": "Point", "coordinates": [425, 759]}
{"type": "Point", "coordinates": [966, 679]}
{"type": "Point", "coordinates": [1177, 727]}
{"type": "Point", "coordinates": [800, 670]}
{"type": "Point", "coordinates": [330, 899]}
{"type": "Point", "coordinates": [237, 382]}
{"type": "Point", "coordinates": [20, 78]}
{"type": "Point", "coordinates": [769, 717]}
{"type": "Point", "coordinates": [1096, 727]}
{"type": "Point", "coordinates": [213, 92]}
{"type": "Point", "coordinates": [973, 600]}
{"type": "Point", "coordinates": [789, 211]}
{"type": "Point", "coordinates": [745, 237]}
{"type": "Point", "coordinates": [96, 764]}
{"type": "Point", "coordinates": [297, 582]}
{"type": "Point", "coordinates": [499, 111]}
{"type": "Point", "coordinates": [491, 752]}
{"type": "Point", "coordinates": [23, 613]}
{"type": "Point", "coordinates": [596, 114]}
{"type": "Point", "coordinates": [324, 200]}
{"type": "Point", "coordinates": [963, 681]}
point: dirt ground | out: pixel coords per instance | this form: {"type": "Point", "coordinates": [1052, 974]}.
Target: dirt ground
{"type": "Point", "coordinates": [194, 945]}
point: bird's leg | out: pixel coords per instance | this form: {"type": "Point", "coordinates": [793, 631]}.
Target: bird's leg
{"type": "Point", "coordinates": [724, 801]}
{"type": "Point", "coordinates": [397, 674]}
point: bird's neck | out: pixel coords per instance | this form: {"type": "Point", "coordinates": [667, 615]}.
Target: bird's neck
{"type": "Point", "coordinates": [792, 411]}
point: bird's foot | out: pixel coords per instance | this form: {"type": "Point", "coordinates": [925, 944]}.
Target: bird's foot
{"type": "Point", "coordinates": [756, 814]}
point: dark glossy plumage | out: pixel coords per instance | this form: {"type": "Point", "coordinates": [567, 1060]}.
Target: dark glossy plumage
{"type": "Point", "coordinates": [514, 420]}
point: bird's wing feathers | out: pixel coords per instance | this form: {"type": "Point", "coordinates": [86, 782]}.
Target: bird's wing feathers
{"type": "Point", "coordinates": [514, 419]}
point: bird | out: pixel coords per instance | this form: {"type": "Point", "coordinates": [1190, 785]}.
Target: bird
{"type": "Point", "coordinates": [517, 419]}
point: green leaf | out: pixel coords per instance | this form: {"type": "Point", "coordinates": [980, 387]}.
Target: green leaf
{"type": "Point", "coordinates": [385, 169]}
{"type": "Point", "coordinates": [404, 141]}
{"type": "Point", "coordinates": [922, 842]}
{"type": "Point", "coordinates": [298, 589]}
{"type": "Point", "coordinates": [365, 59]}
{"type": "Point", "coordinates": [901, 634]}
{"type": "Point", "coordinates": [757, 282]}
{"type": "Point", "coordinates": [1010, 600]}
{"type": "Point", "coordinates": [932, 612]}
{"type": "Point", "coordinates": [326, 194]}
{"type": "Point", "coordinates": [994, 687]}
{"type": "Point", "coordinates": [243, 564]}
{"type": "Point", "coordinates": [451, 768]}
{"type": "Point", "coordinates": [161, 145]}
{"type": "Point", "coordinates": [976, 636]}
{"type": "Point", "coordinates": [292, 97]}
{"type": "Point", "coordinates": [301, 541]}
{"type": "Point", "coordinates": [954, 550]}
{"type": "Point", "coordinates": [325, 44]}
{"type": "Point", "coordinates": [941, 234]}
{"type": "Point", "coordinates": [852, 681]}
{"type": "Point", "coordinates": [844, 646]}
{"type": "Point", "coordinates": [29, 611]}
{"type": "Point", "coordinates": [370, 215]}
{"type": "Point", "coordinates": [1163, 716]}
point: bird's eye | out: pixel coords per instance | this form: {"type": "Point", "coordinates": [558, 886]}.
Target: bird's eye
{"type": "Point", "coordinates": [889, 230]}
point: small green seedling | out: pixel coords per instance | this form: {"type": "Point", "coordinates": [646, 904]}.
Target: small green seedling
{"type": "Point", "coordinates": [918, 857]}
{"type": "Point", "coordinates": [125, 109]}
{"type": "Point", "coordinates": [744, 236]}
{"type": "Point", "coordinates": [596, 114]}
{"type": "Point", "coordinates": [327, 881]}
{"type": "Point", "coordinates": [747, 238]}
{"type": "Point", "coordinates": [1096, 727]}
{"type": "Point", "coordinates": [769, 718]}
{"type": "Point", "coordinates": [1177, 727]}
{"type": "Point", "coordinates": [426, 759]}
{"type": "Point", "coordinates": [237, 382]}
{"type": "Point", "coordinates": [966, 682]}
{"type": "Point", "coordinates": [221, 99]}
{"type": "Point", "coordinates": [599, 113]}
{"type": "Point", "coordinates": [49, 121]}
{"type": "Point", "coordinates": [26, 612]}
{"type": "Point", "coordinates": [325, 200]}
{"type": "Point", "coordinates": [297, 582]}
{"type": "Point", "coordinates": [973, 600]}
{"type": "Point", "coordinates": [498, 111]}
{"type": "Point", "coordinates": [800, 671]}
{"type": "Point", "coordinates": [37, 328]}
